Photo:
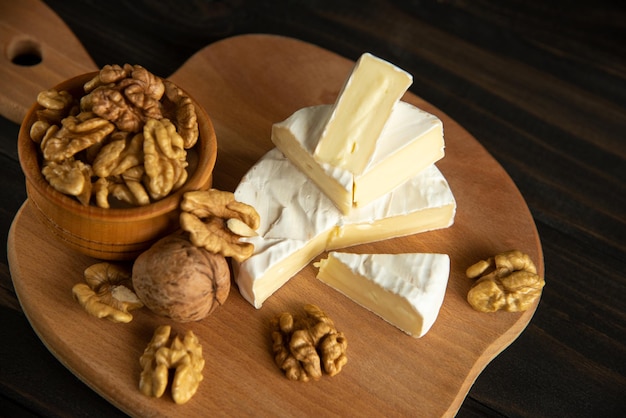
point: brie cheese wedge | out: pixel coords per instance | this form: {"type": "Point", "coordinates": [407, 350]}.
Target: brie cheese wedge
{"type": "Point", "coordinates": [406, 290]}
{"type": "Point", "coordinates": [362, 109]}
{"type": "Point", "coordinates": [299, 222]}
{"type": "Point", "coordinates": [411, 141]}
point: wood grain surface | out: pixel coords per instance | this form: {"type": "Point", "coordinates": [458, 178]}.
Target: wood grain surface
{"type": "Point", "coordinates": [541, 86]}
{"type": "Point", "coordinates": [35, 32]}
{"type": "Point", "coordinates": [246, 83]}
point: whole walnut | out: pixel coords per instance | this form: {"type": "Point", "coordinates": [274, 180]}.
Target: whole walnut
{"type": "Point", "coordinates": [176, 279]}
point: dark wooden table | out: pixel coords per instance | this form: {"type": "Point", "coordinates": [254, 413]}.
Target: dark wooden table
{"type": "Point", "coordinates": [541, 87]}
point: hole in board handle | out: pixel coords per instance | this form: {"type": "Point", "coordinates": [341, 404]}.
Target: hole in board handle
{"type": "Point", "coordinates": [24, 52]}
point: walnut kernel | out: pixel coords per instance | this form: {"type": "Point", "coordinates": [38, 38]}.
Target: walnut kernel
{"type": "Point", "coordinates": [107, 292]}
{"type": "Point", "coordinates": [118, 125]}
{"type": "Point", "coordinates": [163, 354]}
{"type": "Point", "coordinates": [507, 281]}
{"type": "Point", "coordinates": [206, 214]}
{"type": "Point", "coordinates": [305, 345]}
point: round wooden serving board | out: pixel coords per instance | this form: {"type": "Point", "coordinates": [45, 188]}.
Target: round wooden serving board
{"type": "Point", "coordinates": [246, 84]}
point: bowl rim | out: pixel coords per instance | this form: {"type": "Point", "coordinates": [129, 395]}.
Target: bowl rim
{"type": "Point", "coordinates": [29, 159]}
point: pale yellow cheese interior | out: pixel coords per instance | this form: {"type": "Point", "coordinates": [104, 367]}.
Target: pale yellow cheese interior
{"type": "Point", "coordinates": [278, 274]}
{"type": "Point", "coordinates": [391, 172]}
{"type": "Point", "coordinates": [360, 113]}
{"type": "Point", "coordinates": [412, 141]}
{"type": "Point", "coordinates": [396, 226]}
{"type": "Point", "coordinates": [285, 138]}
{"type": "Point", "coordinates": [404, 289]}
{"type": "Point", "coordinates": [389, 306]}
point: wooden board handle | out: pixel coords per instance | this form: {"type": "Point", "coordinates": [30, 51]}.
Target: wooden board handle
{"type": "Point", "coordinates": [38, 51]}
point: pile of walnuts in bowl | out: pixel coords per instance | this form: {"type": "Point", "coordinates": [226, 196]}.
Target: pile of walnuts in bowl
{"type": "Point", "coordinates": [126, 138]}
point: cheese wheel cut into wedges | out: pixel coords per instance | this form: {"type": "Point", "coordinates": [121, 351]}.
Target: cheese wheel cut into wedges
{"type": "Point", "coordinates": [299, 222]}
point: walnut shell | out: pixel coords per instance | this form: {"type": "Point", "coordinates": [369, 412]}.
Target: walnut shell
{"type": "Point", "coordinates": [176, 279]}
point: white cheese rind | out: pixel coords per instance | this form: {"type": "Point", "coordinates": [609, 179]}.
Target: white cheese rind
{"type": "Point", "coordinates": [360, 113]}
{"type": "Point", "coordinates": [297, 137]}
{"type": "Point", "coordinates": [406, 290]}
{"type": "Point", "coordinates": [410, 142]}
{"type": "Point", "coordinates": [298, 221]}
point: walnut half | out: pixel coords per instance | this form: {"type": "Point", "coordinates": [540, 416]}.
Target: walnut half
{"type": "Point", "coordinates": [507, 281]}
{"type": "Point", "coordinates": [163, 354]}
{"type": "Point", "coordinates": [304, 345]}
{"type": "Point", "coordinates": [216, 221]}
{"type": "Point", "coordinates": [107, 292]}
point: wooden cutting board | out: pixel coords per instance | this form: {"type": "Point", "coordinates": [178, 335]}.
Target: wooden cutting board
{"type": "Point", "coordinates": [246, 83]}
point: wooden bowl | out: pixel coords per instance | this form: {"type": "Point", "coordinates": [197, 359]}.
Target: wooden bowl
{"type": "Point", "coordinates": [113, 233]}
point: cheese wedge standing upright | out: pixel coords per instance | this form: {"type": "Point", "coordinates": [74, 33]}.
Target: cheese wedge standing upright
{"type": "Point", "coordinates": [360, 112]}
{"type": "Point", "coordinates": [406, 290]}
{"type": "Point", "coordinates": [411, 140]}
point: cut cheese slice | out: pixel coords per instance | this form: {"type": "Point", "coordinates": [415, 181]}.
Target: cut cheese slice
{"type": "Point", "coordinates": [406, 290]}
{"type": "Point", "coordinates": [360, 112]}
{"type": "Point", "coordinates": [299, 222]}
{"type": "Point", "coordinates": [411, 141]}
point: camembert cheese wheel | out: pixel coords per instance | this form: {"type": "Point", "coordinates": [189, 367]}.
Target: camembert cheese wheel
{"type": "Point", "coordinates": [299, 222]}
